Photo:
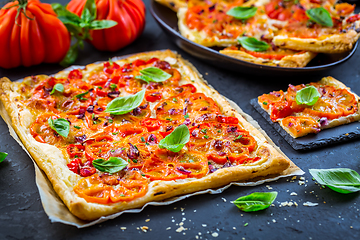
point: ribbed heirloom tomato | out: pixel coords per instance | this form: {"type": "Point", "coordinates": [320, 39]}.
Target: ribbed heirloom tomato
{"type": "Point", "coordinates": [129, 14]}
{"type": "Point", "coordinates": [31, 34]}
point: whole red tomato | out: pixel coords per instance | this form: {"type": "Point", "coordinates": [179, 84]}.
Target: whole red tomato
{"type": "Point", "coordinates": [36, 35]}
{"type": "Point", "coordinates": [129, 14]}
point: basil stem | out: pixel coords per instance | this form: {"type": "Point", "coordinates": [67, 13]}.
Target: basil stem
{"type": "Point", "coordinates": [80, 27]}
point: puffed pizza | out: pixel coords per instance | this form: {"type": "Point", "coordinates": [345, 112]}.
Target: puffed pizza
{"type": "Point", "coordinates": [116, 135]}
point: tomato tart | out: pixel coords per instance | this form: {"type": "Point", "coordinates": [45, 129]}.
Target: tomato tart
{"type": "Point", "coordinates": [308, 108]}
{"type": "Point", "coordinates": [320, 26]}
{"type": "Point", "coordinates": [116, 135]}
{"type": "Point", "coordinates": [278, 33]}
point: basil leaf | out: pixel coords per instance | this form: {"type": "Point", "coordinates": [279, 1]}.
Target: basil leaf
{"type": "Point", "coordinates": [308, 95]}
{"type": "Point", "coordinates": [122, 105]}
{"type": "Point", "coordinates": [342, 180]}
{"type": "Point", "coordinates": [113, 165]}
{"type": "Point", "coordinates": [71, 25]}
{"type": "Point", "coordinates": [242, 13]}
{"type": "Point", "coordinates": [320, 15]}
{"type": "Point", "coordinates": [3, 155]}
{"type": "Point", "coordinates": [90, 5]}
{"type": "Point", "coordinates": [85, 17]}
{"type": "Point", "coordinates": [57, 7]}
{"type": "Point", "coordinates": [144, 78]}
{"type": "Point", "coordinates": [255, 201]}
{"type": "Point", "coordinates": [69, 19]}
{"type": "Point", "coordinates": [176, 140]}
{"type": "Point", "coordinates": [60, 125]}
{"type": "Point", "coordinates": [153, 74]}
{"type": "Point", "coordinates": [102, 24]}
{"type": "Point", "coordinates": [252, 44]}
{"type": "Point", "coordinates": [58, 87]}
{"type": "Point", "coordinates": [61, 11]}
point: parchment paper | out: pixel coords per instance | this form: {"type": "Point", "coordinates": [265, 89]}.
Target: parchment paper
{"type": "Point", "coordinates": [58, 212]}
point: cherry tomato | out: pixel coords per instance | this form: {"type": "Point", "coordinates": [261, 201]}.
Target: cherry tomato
{"type": "Point", "coordinates": [74, 165]}
{"type": "Point", "coordinates": [153, 96]}
{"type": "Point", "coordinates": [92, 190]}
{"type": "Point", "coordinates": [75, 74]}
{"type": "Point", "coordinates": [300, 126]}
{"type": "Point", "coordinates": [226, 119]}
{"type": "Point", "coordinates": [75, 150]}
{"type": "Point", "coordinates": [152, 124]}
{"type": "Point", "coordinates": [280, 110]}
{"type": "Point", "coordinates": [267, 99]}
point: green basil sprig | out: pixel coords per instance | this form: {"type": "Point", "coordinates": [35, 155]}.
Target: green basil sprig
{"type": "Point", "coordinates": [308, 95]}
{"type": "Point", "coordinates": [122, 105]}
{"type": "Point", "coordinates": [113, 165]}
{"type": "Point", "coordinates": [3, 155]}
{"type": "Point", "coordinates": [320, 15]}
{"type": "Point", "coordinates": [80, 27]}
{"type": "Point", "coordinates": [60, 125]}
{"type": "Point", "coordinates": [58, 87]}
{"type": "Point", "coordinates": [342, 180]}
{"type": "Point", "coordinates": [176, 140]}
{"type": "Point", "coordinates": [242, 13]}
{"type": "Point", "coordinates": [153, 74]}
{"type": "Point", "coordinates": [252, 44]}
{"type": "Point", "coordinates": [255, 201]}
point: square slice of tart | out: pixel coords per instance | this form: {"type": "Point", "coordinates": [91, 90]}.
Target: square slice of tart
{"type": "Point", "coordinates": [305, 109]}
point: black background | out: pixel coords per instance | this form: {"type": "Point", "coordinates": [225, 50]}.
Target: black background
{"type": "Point", "coordinates": [336, 216]}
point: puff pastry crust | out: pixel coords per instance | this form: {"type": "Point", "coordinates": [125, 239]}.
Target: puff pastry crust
{"type": "Point", "coordinates": [290, 61]}
{"type": "Point", "coordinates": [54, 162]}
{"type": "Point", "coordinates": [336, 43]}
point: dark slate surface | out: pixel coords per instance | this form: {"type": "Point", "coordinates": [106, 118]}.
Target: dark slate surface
{"type": "Point", "coordinates": [336, 217]}
{"type": "Point", "coordinates": [325, 137]}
